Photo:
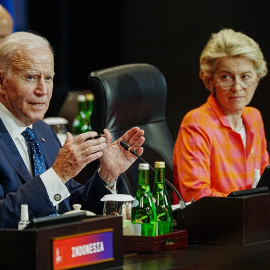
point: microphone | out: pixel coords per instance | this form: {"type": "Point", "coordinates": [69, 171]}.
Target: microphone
{"type": "Point", "coordinates": [128, 147]}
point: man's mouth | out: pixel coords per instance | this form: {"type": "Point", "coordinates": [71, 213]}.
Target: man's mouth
{"type": "Point", "coordinates": [37, 104]}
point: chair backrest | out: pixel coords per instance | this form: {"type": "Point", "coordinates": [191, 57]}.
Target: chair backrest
{"type": "Point", "coordinates": [134, 95]}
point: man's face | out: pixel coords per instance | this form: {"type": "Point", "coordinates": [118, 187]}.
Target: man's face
{"type": "Point", "coordinates": [27, 90]}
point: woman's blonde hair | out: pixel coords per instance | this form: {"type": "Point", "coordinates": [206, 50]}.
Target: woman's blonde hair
{"type": "Point", "coordinates": [228, 43]}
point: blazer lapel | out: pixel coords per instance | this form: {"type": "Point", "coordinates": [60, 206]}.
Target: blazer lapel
{"type": "Point", "coordinates": [12, 154]}
{"type": "Point", "coordinates": [46, 137]}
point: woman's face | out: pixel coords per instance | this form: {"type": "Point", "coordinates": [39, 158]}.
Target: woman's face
{"type": "Point", "coordinates": [235, 82]}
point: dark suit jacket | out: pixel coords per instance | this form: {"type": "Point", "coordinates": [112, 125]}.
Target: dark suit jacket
{"type": "Point", "coordinates": [18, 187]}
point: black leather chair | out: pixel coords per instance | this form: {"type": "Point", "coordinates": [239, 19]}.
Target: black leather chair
{"type": "Point", "coordinates": [134, 95]}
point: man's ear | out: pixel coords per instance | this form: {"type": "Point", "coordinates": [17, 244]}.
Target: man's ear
{"type": "Point", "coordinates": [2, 80]}
{"type": "Point", "coordinates": [1, 77]}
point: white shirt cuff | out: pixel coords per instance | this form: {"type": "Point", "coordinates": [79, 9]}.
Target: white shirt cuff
{"type": "Point", "coordinates": [113, 189]}
{"type": "Point", "coordinates": [57, 191]}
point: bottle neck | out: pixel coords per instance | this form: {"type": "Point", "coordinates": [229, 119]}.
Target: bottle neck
{"type": "Point", "coordinates": [143, 177]}
{"type": "Point", "coordinates": [81, 106]}
{"type": "Point", "coordinates": [160, 175]}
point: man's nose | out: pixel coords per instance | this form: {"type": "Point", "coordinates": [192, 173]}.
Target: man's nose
{"type": "Point", "coordinates": [41, 87]}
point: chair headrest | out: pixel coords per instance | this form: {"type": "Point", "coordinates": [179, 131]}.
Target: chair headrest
{"type": "Point", "coordinates": [127, 96]}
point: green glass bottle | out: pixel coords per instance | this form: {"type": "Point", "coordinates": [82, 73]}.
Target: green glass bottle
{"type": "Point", "coordinates": [143, 213]}
{"type": "Point", "coordinates": [80, 124]}
{"type": "Point", "coordinates": [89, 108]}
{"type": "Point", "coordinates": [162, 201]}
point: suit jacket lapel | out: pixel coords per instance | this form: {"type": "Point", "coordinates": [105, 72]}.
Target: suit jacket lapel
{"type": "Point", "coordinates": [43, 142]}
{"type": "Point", "coordinates": [44, 137]}
{"type": "Point", "coordinates": [11, 152]}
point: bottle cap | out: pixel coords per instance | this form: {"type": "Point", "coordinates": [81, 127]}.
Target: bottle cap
{"type": "Point", "coordinates": [143, 166]}
{"type": "Point", "coordinates": [24, 212]}
{"type": "Point", "coordinates": [81, 98]}
{"type": "Point", "coordinates": [159, 164]}
{"type": "Point", "coordinates": [89, 97]}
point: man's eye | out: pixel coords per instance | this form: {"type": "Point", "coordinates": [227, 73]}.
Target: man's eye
{"type": "Point", "coordinates": [30, 77]}
{"type": "Point", "coordinates": [49, 78]}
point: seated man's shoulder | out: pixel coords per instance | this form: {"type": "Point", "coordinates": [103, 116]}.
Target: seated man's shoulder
{"type": "Point", "coordinates": [40, 124]}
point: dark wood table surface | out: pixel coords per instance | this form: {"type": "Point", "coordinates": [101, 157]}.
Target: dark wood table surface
{"type": "Point", "coordinates": [202, 257]}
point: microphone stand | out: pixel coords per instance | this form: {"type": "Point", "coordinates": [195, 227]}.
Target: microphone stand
{"type": "Point", "coordinates": [128, 147]}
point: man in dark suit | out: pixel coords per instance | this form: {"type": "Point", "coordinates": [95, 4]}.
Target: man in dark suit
{"type": "Point", "coordinates": [26, 83]}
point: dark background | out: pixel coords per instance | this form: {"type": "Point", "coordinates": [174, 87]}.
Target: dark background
{"type": "Point", "coordinates": [89, 35]}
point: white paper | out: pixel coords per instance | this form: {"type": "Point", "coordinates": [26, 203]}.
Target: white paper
{"type": "Point", "coordinates": [55, 121]}
{"type": "Point", "coordinates": [117, 197]}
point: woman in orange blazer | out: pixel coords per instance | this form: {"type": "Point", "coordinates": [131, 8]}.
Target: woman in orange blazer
{"type": "Point", "coordinates": [221, 146]}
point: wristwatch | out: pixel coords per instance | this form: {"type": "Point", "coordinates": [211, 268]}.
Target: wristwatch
{"type": "Point", "coordinates": [106, 183]}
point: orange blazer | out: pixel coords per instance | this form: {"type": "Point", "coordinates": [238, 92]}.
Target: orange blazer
{"type": "Point", "coordinates": [210, 158]}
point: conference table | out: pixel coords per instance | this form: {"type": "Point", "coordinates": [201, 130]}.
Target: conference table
{"type": "Point", "coordinates": [199, 256]}
{"type": "Point", "coordinates": [221, 233]}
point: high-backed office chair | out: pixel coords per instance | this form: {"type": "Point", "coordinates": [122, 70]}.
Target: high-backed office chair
{"type": "Point", "coordinates": [134, 95]}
